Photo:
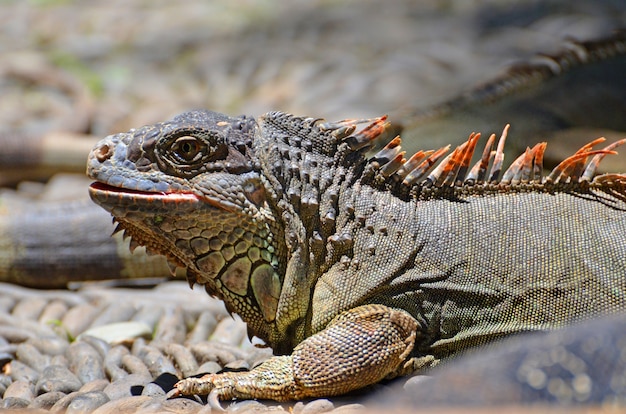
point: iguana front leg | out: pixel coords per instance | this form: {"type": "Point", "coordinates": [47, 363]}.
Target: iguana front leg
{"type": "Point", "coordinates": [359, 347]}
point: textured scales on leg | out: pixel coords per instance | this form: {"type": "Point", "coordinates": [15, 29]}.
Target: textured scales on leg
{"type": "Point", "coordinates": [355, 268]}
{"type": "Point", "coordinates": [359, 347]}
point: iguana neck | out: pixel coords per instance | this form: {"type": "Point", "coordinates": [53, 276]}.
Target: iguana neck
{"type": "Point", "coordinates": [308, 163]}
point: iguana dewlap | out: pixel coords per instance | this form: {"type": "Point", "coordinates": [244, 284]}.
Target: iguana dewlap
{"type": "Point", "coordinates": [355, 268]}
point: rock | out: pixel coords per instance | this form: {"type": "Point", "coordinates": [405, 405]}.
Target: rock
{"type": "Point", "coordinates": [57, 378]}
{"type": "Point", "coordinates": [87, 402]}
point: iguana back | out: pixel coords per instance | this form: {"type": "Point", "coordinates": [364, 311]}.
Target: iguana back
{"type": "Point", "coordinates": [481, 266]}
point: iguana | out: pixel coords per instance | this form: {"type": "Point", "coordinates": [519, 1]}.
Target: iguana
{"type": "Point", "coordinates": [356, 267]}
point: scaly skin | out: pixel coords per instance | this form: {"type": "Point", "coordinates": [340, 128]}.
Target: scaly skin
{"type": "Point", "coordinates": [356, 269]}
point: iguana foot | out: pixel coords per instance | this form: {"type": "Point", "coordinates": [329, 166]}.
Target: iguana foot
{"type": "Point", "coordinates": [359, 347]}
{"type": "Point", "coordinates": [414, 365]}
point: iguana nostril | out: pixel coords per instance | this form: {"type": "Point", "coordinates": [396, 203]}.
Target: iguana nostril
{"type": "Point", "coordinates": [103, 152]}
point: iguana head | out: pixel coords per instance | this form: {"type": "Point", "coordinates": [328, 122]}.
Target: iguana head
{"type": "Point", "coordinates": [190, 189]}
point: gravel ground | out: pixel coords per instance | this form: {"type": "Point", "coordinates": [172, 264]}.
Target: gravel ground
{"type": "Point", "coordinates": [104, 66]}
{"type": "Point", "coordinates": [83, 351]}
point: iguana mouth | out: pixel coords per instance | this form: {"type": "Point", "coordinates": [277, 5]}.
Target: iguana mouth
{"type": "Point", "coordinates": [102, 189]}
{"type": "Point", "coordinates": [110, 196]}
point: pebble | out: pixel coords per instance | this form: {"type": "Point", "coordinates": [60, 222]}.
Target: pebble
{"type": "Point", "coordinates": [123, 405]}
{"type": "Point", "coordinates": [155, 361]}
{"type": "Point", "coordinates": [53, 312]}
{"type": "Point", "coordinates": [209, 367]}
{"type": "Point", "coordinates": [5, 381]}
{"type": "Point", "coordinates": [134, 365]}
{"type": "Point", "coordinates": [31, 356]}
{"type": "Point", "coordinates": [50, 345]}
{"type": "Point", "coordinates": [171, 327]}
{"type": "Point", "coordinates": [238, 365]}
{"type": "Point", "coordinates": [148, 315]}
{"type": "Point", "coordinates": [6, 304]}
{"type": "Point", "coordinates": [59, 360]}
{"type": "Point", "coordinates": [183, 358]}
{"type": "Point", "coordinates": [27, 328]}
{"type": "Point", "coordinates": [213, 351]}
{"type": "Point", "coordinates": [317, 406]}
{"type": "Point", "coordinates": [230, 331]}
{"type": "Point", "coordinates": [153, 390]}
{"type": "Point", "coordinates": [63, 402]}
{"type": "Point", "coordinates": [114, 313]}
{"type": "Point", "coordinates": [47, 400]}
{"type": "Point", "coordinates": [181, 405]}
{"type": "Point", "coordinates": [15, 334]}
{"type": "Point", "coordinates": [87, 402]}
{"type": "Point", "coordinates": [79, 318]}
{"type": "Point", "coordinates": [247, 406]}
{"type": "Point", "coordinates": [204, 327]}
{"type": "Point", "coordinates": [122, 387]}
{"type": "Point", "coordinates": [57, 378]}
{"type": "Point", "coordinates": [113, 362]}
{"type": "Point", "coordinates": [12, 403]}
{"type": "Point", "coordinates": [85, 361]}
{"type": "Point", "coordinates": [20, 389]}
{"type": "Point", "coordinates": [415, 382]}
{"type": "Point", "coordinates": [29, 308]}
{"type": "Point", "coordinates": [119, 332]}
{"type": "Point", "coordinates": [98, 344]}
{"type": "Point", "coordinates": [95, 385]}
{"type": "Point", "coordinates": [350, 408]}
{"type": "Point", "coordinates": [21, 371]}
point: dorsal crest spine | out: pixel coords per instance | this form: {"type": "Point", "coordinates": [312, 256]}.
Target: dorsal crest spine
{"type": "Point", "coordinates": [429, 174]}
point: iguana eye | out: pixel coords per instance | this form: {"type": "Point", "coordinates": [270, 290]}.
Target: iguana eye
{"type": "Point", "coordinates": [187, 149]}
{"type": "Point", "coordinates": [189, 153]}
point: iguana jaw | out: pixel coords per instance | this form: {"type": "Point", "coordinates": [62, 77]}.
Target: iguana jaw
{"type": "Point", "coordinates": [108, 196]}
{"type": "Point", "coordinates": [99, 191]}
{"type": "Point", "coordinates": [130, 208]}
{"type": "Point", "coordinates": [227, 252]}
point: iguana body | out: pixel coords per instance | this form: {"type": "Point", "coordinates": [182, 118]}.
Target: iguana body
{"type": "Point", "coordinates": [358, 268]}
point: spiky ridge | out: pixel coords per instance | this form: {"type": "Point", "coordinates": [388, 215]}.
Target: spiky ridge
{"type": "Point", "coordinates": [427, 174]}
